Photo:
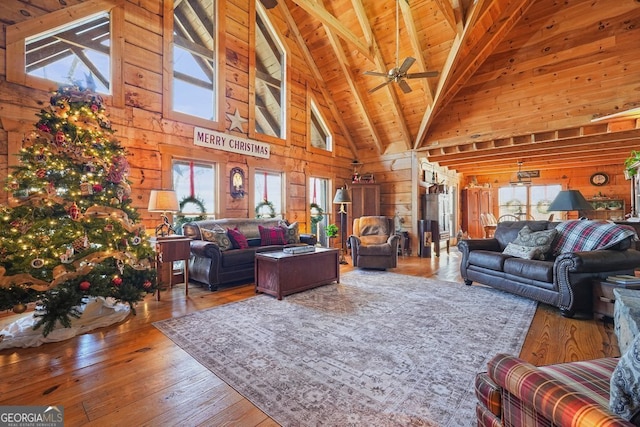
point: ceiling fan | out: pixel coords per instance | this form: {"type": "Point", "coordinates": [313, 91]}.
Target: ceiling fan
{"type": "Point", "coordinates": [398, 74]}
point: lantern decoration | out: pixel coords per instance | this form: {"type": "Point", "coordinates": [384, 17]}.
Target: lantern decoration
{"type": "Point", "coordinates": [74, 212]}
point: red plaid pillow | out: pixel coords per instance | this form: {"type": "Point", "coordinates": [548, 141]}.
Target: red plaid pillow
{"type": "Point", "coordinates": [272, 236]}
{"type": "Point", "coordinates": [237, 238]}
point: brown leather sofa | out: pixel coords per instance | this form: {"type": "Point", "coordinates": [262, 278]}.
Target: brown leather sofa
{"type": "Point", "coordinates": [564, 281]}
{"type": "Point", "coordinates": [214, 266]}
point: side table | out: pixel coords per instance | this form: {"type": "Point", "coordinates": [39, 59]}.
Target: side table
{"type": "Point", "coordinates": [604, 299]}
{"type": "Point", "coordinates": [170, 249]}
{"type": "Point", "coordinates": [626, 316]}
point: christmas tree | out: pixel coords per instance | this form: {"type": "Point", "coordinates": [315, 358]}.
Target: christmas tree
{"type": "Point", "coordinates": [69, 231]}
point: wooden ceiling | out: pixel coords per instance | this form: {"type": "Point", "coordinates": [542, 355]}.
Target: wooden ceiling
{"type": "Point", "coordinates": [519, 80]}
{"type": "Point", "coordinates": [529, 81]}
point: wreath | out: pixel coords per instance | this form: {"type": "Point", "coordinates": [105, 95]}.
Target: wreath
{"type": "Point", "coordinates": [317, 214]}
{"type": "Point", "coordinates": [182, 219]}
{"type": "Point", "coordinates": [269, 205]}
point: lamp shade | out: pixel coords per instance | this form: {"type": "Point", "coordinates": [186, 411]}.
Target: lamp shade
{"type": "Point", "coordinates": [569, 200]}
{"type": "Point", "coordinates": [163, 201]}
{"type": "Point", "coordinates": [342, 196]}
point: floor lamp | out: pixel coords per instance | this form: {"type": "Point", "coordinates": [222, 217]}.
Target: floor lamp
{"type": "Point", "coordinates": [342, 197]}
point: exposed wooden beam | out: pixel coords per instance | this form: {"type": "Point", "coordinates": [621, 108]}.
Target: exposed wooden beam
{"type": "Point", "coordinates": [412, 35]}
{"type": "Point", "coordinates": [293, 27]}
{"type": "Point", "coordinates": [321, 14]}
{"type": "Point", "coordinates": [350, 78]}
{"type": "Point", "coordinates": [486, 27]}
{"type": "Point", "coordinates": [446, 8]}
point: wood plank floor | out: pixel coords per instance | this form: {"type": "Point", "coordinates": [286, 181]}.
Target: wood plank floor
{"type": "Point", "coordinates": [132, 374]}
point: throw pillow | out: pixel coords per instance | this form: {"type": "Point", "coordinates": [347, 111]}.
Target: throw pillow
{"type": "Point", "coordinates": [291, 233]}
{"type": "Point", "coordinates": [520, 251]}
{"type": "Point", "coordinates": [542, 240]}
{"type": "Point", "coordinates": [238, 239]}
{"type": "Point", "coordinates": [220, 238]}
{"type": "Point", "coordinates": [624, 397]}
{"type": "Point", "coordinates": [271, 236]}
{"type": "Point", "coordinates": [577, 236]}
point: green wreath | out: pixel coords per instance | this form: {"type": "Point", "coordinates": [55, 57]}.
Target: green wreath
{"type": "Point", "coordinates": [268, 204]}
{"type": "Point", "coordinates": [181, 219]}
{"type": "Point", "coordinates": [317, 217]}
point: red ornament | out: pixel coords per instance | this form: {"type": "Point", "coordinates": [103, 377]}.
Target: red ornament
{"type": "Point", "coordinates": [97, 188]}
{"type": "Point", "coordinates": [84, 286]}
{"type": "Point", "coordinates": [117, 281]}
{"type": "Point", "coordinates": [147, 284]}
{"type": "Point", "coordinates": [41, 173]}
{"type": "Point", "coordinates": [74, 211]}
{"type": "Point", "coordinates": [60, 138]}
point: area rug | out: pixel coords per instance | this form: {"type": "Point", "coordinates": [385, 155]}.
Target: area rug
{"type": "Point", "coordinates": [379, 349]}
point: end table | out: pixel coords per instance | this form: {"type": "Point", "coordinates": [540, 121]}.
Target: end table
{"type": "Point", "coordinates": [169, 249]}
{"type": "Point", "coordinates": [604, 299]}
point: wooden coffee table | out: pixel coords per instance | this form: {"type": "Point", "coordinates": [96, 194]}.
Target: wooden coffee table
{"type": "Point", "coordinates": [280, 274]}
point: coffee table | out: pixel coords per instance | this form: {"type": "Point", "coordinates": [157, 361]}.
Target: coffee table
{"type": "Point", "coordinates": [280, 274]}
{"type": "Point", "coordinates": [626, 316]}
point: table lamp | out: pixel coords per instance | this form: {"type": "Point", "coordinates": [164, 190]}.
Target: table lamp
{"type": "Point", "coordinates": [342, 197]}
{"type": "Point", "coordinates": [163, 201]}
{"type": "Point", "coordinates": [569, 200]}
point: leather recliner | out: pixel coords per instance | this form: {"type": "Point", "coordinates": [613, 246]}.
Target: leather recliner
{"type": "Point", "coordinates": [374, 243]}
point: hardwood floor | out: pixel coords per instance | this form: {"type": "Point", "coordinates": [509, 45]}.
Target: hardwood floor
{"type": "Point", "coordinates": [132, 374]}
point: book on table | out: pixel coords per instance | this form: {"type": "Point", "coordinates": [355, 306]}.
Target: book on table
{"type": "Point", "coordinates": [626, 279]}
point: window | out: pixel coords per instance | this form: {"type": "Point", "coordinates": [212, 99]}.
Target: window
{"type": "Point", "coordinates": [197, 180]}
{"type": "Point", "coordinates": [320, 135]}
{"type": "Point", "coordinates": [527, 202]}
{"type": "Point", "coordinates": [86, 52]}
{"type": "Point", "coordinates": [77, 53]}
{"type": "Point", "coordinates": [319, 194]}
{"type": "Point", "coordinates": [267, 194]}
{"type": "Point", "coordinates": [193, 89]}
{"type": "Point", "coordinates": [269, 79]}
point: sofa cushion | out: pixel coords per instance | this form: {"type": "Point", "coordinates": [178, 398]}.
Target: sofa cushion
{"type": "Point", "coordinates": [237, 238]}
{"type": "Point", "coordinates": [232, 259]}
{"type": "Point", "coordinates": [520, 251]}
{"type": "Point", "coordinates": [533, 269]}
{"type": "Point", "coordinates": [271, 236]}
{"type": "Point", "coordinates": [373, 240]}
{"type": "Point", "coordinates": [291, 232]}
{"type": "Point", "coordinates": [507, 231]}
{"type": "Point", "coordinates": [541, 240]}
{"type": "Point", "coordinates": [488, 259]}
{"type": "Point", "coordinates": [220, 238]}
{"type": "Point", "coordinates": [578, 236]}
{"type": "Point", "coordinates": [624, 397]}
{"type": "Point", "coordinates": [374, 250]}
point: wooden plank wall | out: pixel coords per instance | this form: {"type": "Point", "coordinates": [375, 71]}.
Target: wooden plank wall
{"type": "Point", "coordinates": [143, 130]}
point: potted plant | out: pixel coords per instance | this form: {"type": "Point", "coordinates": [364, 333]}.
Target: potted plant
{"type": "Point", "coordinates": [331, 231]}
{"type": "Point", "coordinates": [631, 164]}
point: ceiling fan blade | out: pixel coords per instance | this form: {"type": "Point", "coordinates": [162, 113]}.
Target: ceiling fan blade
{"type": "Point", "coordinates": [408, 62]}
{"type": "Point", "coordinates": [380, 86]}
{"type": "Point", "coordinates": [404, 86]}
{"type": "Point", "coordinates": [375, 73]}
{"type": "Point", "coordinates": [422, 75]}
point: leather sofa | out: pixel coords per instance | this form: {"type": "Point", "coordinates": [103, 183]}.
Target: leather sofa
{"type": "Point", "coordinates": [214, 266]}
{"type": "Point", "coordinates": [564, 281]}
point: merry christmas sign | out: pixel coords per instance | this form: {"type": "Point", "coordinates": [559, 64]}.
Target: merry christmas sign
{"type": "Point", "coordinates": [221, 141]}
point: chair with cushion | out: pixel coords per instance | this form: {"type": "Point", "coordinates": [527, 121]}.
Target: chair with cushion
{"type": "Point", "coordinates": [489, 223]}
{"type": "Point", "coordinates": [374, 243]}
{"type": "Point", "coordinates": [600, 392]}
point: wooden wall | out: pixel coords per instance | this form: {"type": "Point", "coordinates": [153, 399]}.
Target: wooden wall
{"type": "Point", "coordinates": [149, 135]}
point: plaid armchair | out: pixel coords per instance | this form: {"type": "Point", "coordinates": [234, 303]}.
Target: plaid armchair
{"type": "Point", "coordinates": [519, 394]}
